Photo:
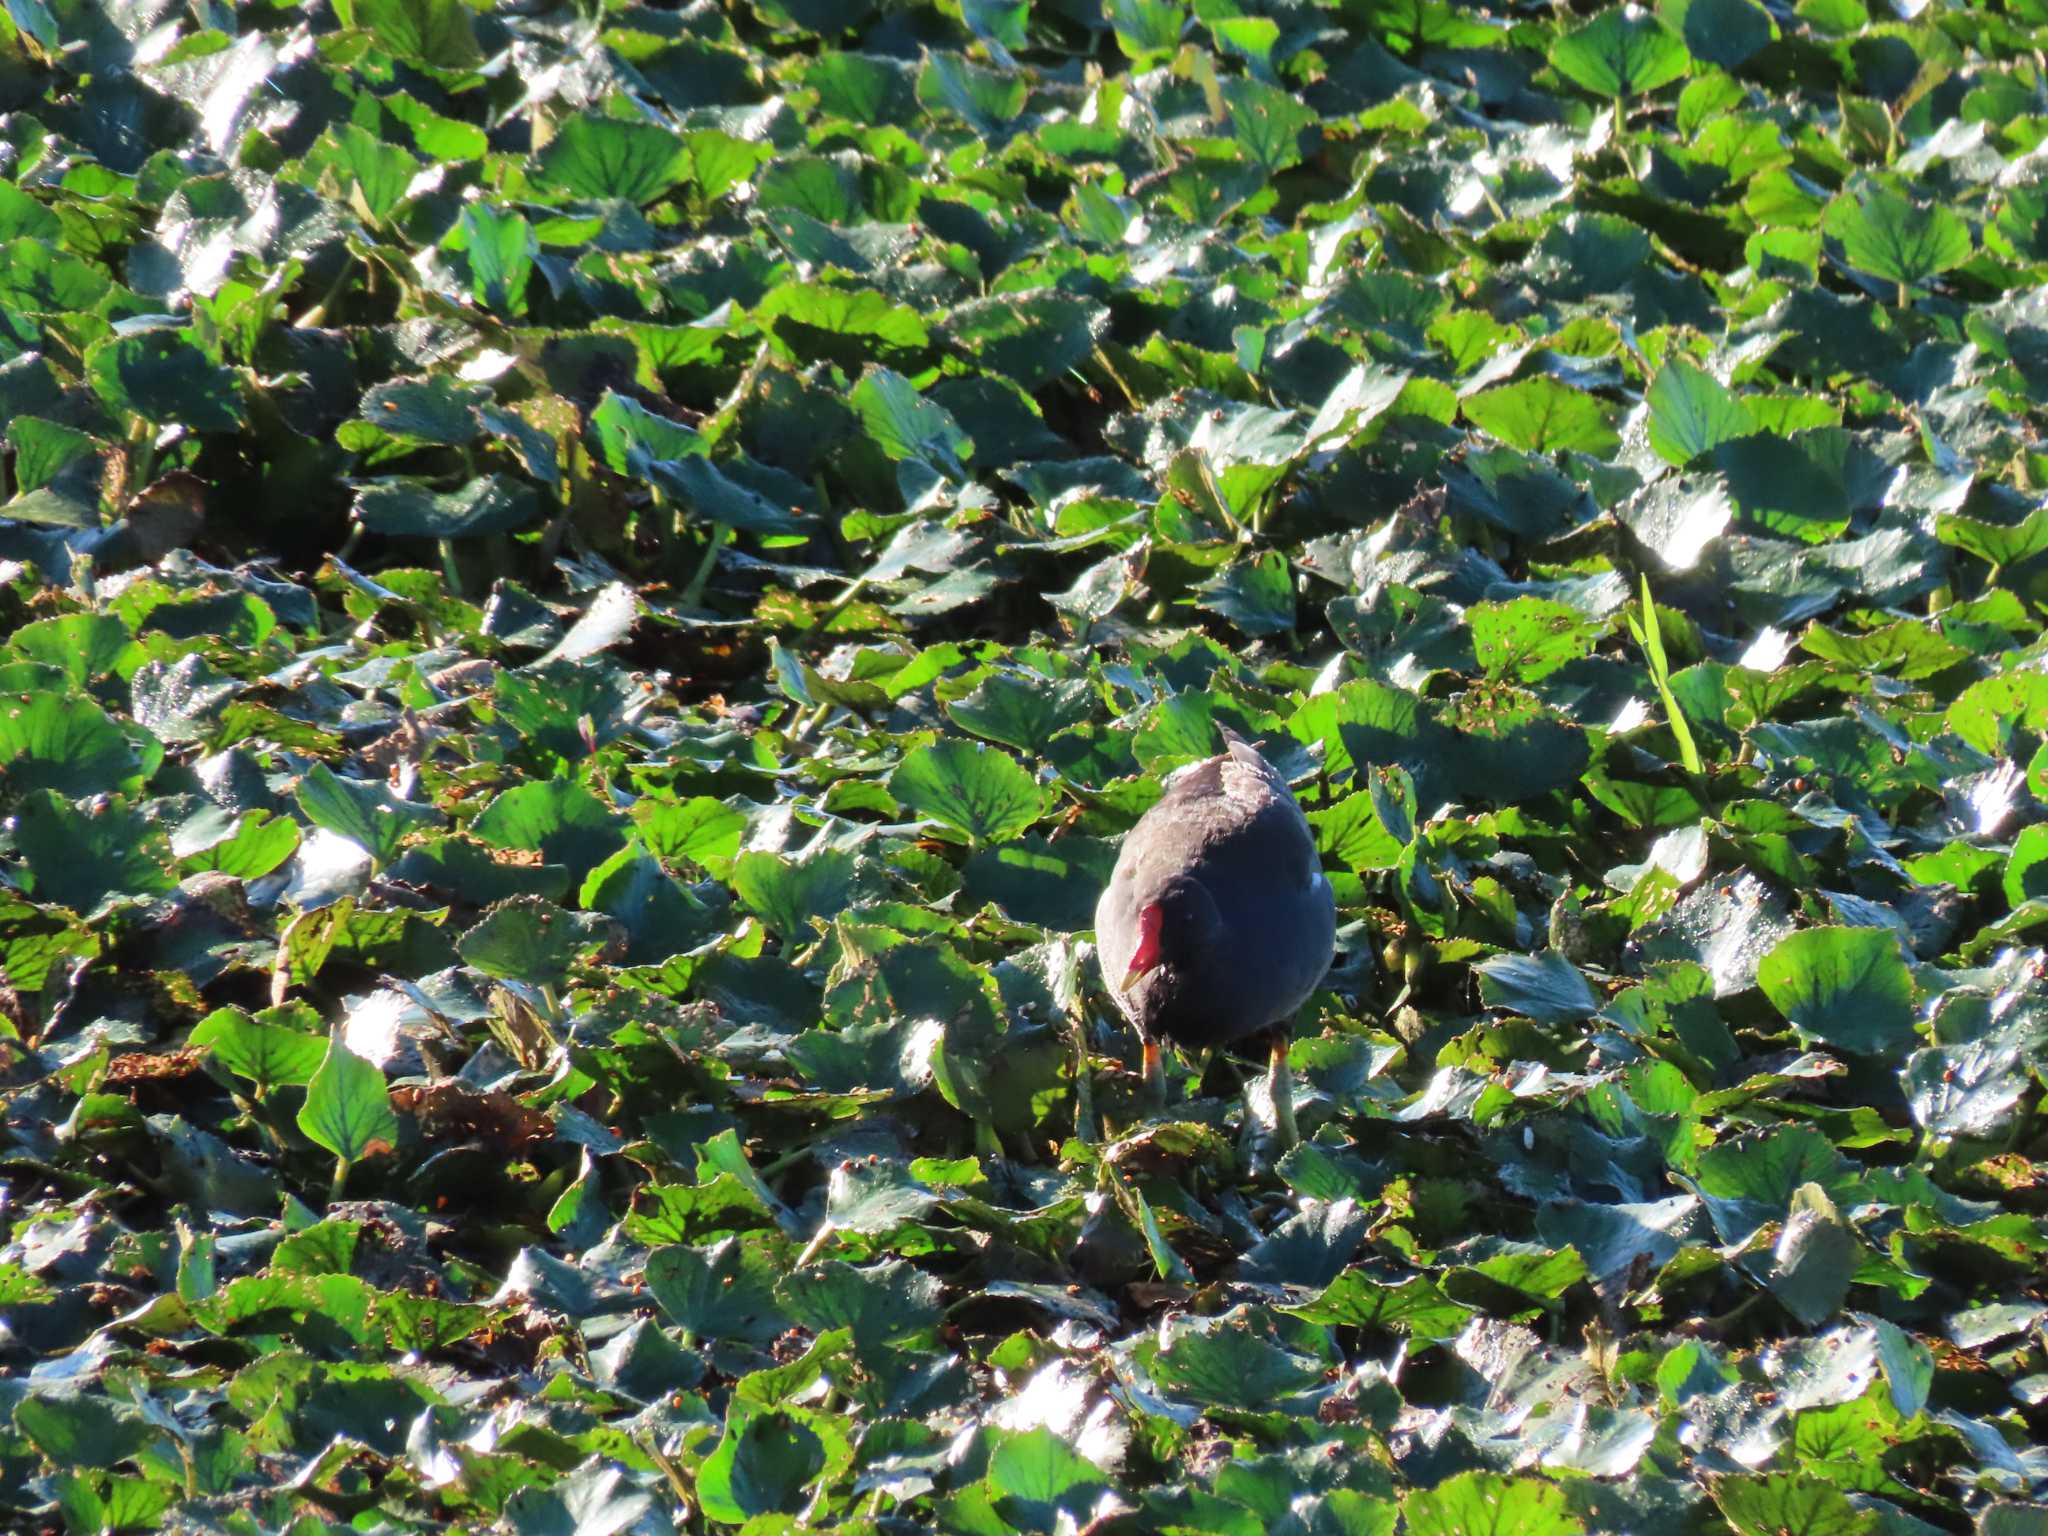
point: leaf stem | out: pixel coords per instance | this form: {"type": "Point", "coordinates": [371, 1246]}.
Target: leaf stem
{"type": "Point", "coordinates": [816, 1245]}
{"type": "Point", "coordinates": [1650, 636]}
{"type": "Point", "coordinates": [694, 592]}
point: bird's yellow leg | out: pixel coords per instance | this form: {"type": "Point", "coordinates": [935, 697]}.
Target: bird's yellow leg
{"type": "Point", "coordinates": [1085, 1129]}
{"type": "Point", "coordinates": [1281, 1085]}
{"type": "Point", "coordinates": [1155, 1078]}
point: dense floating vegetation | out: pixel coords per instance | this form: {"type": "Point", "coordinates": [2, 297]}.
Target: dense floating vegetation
{"type": "Point", "coordinates": [587, 589]}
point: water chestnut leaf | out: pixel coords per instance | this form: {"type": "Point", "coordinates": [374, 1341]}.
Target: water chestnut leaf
{"type": "Point", "coordinates": [1692, 413]}
{"type": "Point", "coordinates": [348, 1107]}
{"type": "Point", "coordinates": [1890, 236]}
{"type": "Point", "coordinates": [525, 938]}
{"type": "Point", "coordinates": [884, 442]}
{"type": "Point", "coordinates": [367, 814]}
{"type": "Point", "coordinates": [1621, 52]}
{"type": "Point", "coordinates": [1545, 986]}
{"type": "Point", "coordinates": [429, 409]}
{"type": "Point", "coordinates": [1542, 415]}
{"type": "Point", "coordinates": [787, 893]}
{"type": "Point", "coordinates": [764, 1465]}
{"type": "Point", "coordinates": [67, 742]}
{"type": "Point", "coordinates": [971, 788]}
{"type": "Point", "coordinates": [598, 157]}
{"type": "Point", "coordinates": [407, 509]}
{"type": "Point", "coordinates": [1844, 987]}
{"type": "Point", "coordinates": [1801, 1501]}
{"type": "Point", "coordinates": [160, 376]}
{"type": "Point", "coordinates": [81, 857]}
{"type": "Point", "coordinates": [556, 818]}
{"type": "Point", "coordinates": [1489, 1501]}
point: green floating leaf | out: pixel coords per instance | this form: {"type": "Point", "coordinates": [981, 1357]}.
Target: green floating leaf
{"type": "Point", "coordinates": [1528, 638]}
{"type": "Point", "coordinates": [407, 509]}
{"type": "Point", "coordinates": [1147, 29]}
{"type": "Point", "coordinates": [365, 813]}
{"type": "Point", "coordinates": [658, 917]}
{"type": "Point", "coordinates": [1843, 987]}
{"type": "Point", "coordinates": [1416, 1306]}
{"type": "Point", "coordinates": [269, 1054]}
{"type": "Point", "coordinates": [704, 489]}
{"type": "Point", "coordinates": [1908, 1367]}
{"type": "Point", "coordinates": [874, 1198]}
{"type": "Point", "coordinates": [1621, 52]}
{"type": "Point", "coordinates": [1037, 1478]}
{"type": "Point", "coordinates": [787, 893]}
{"type": "Point", "coordinates": [66, 742]}
{"type": "Point", "coordinates": [435, 408]}
{"type": "Point", "coordinates": [1895, 238]}
{"type": "Point", "coordinates": [558, 819]}
{"type": "Point", "coordinates": [2026, 868]}
{"type": "Point", "coordinates": [884, 1306]}
{"type": "Point", "coordinates": [1724, 32]}
{"type": "Point", "coordinates": [348, 1108]}
{"type": "Point", "coordinates": [80, 1430]}
{"type": "Point", "coordinates": [1543, 415]}
{"type": "Point", "coordinates": [699, 830]}
{"type": "Point", "coordinates": [1256, 595]}
{"type": "Point", "coordinates": [907, 425]}
{"type": "Point", "coordinates": [525, 938]}
{"type": "Point", "coordinates": [84, 646]}
{"type": "Point", "coordinates": [501, 247]}
{"type": "Point", "coordinates": [636, 441]}
{"type": "Point", "coordinates": [35, 941]}
{"type": "Point", "coordinates": [846, 326]}
{"type": "Point", "coordinates": [1053, 884]}
{"type": "Point", "coordinates": [1692, 413]}
{"type": "Point", "coordinates": [81, 858]}
{"type": "Point", "coordinates": [1778, 1502]}
{"type": "Point", "coordinates": [370, 172]}
{"type": "Point", "coordinates": [1232, 1367]}
{"type": "Point", "coordinates": [1022, 711]}
{"type": "Point", "coordinates": [1032, 338]}
{"type": "Point", "coordinates": [1997, 544]}
{"type": "Point", "coordinates": [632, 437]}
{"type": "Point", "coordinates": [988, 99]}
{"type": "Point", "coordinates": [1815, 1259]}
{"type": "Point", "coordinates": [161, 377]}
{"type": "Point", "coordinates": [258, 844]}
{"type": "Point", "coordinates": [987, 794]}
{"type": "Point", "coordinates": [1474, 1502]}
{"type": "Point", "coordinates": [47, 451]}
{"type": "Point", "coordinates": [1507, 746]}
{"type": "Point", "coordinates": [724, 1291]}
{"type": "Point", "coordinates": [439, 34]}
{"type": "Point", "coordinates": [592, 156]}
{"type": "Point", "coordinates": [762, 1466]}
{"type": "Point", "coordinates": [1267, 123]}
{"type": "Point", "coordinates": [1545, 987]}
{"type": "Point", "coordinates": [1751, 1180]}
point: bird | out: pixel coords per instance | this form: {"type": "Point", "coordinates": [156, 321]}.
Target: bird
{"type": "Point", "coordinates": [1218, 922]}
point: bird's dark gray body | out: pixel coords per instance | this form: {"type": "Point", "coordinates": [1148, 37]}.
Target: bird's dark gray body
{"type": "Point", "coordinates": [1254, 921]}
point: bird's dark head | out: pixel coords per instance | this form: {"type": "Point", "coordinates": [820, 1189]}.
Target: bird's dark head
{"type": "Point", "coordinates": [1175, 923]}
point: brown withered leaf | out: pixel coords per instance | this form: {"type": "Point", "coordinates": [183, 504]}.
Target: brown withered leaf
{"type": "Point", "coordinates": [454, 1111]}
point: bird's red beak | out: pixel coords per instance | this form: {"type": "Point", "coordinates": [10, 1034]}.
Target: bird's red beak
{"type": "Point", "coordinates": [1149, 954]}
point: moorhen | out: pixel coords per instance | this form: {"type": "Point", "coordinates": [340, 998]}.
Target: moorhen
{"type": "Point", "coordinates": [1218, 922]}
